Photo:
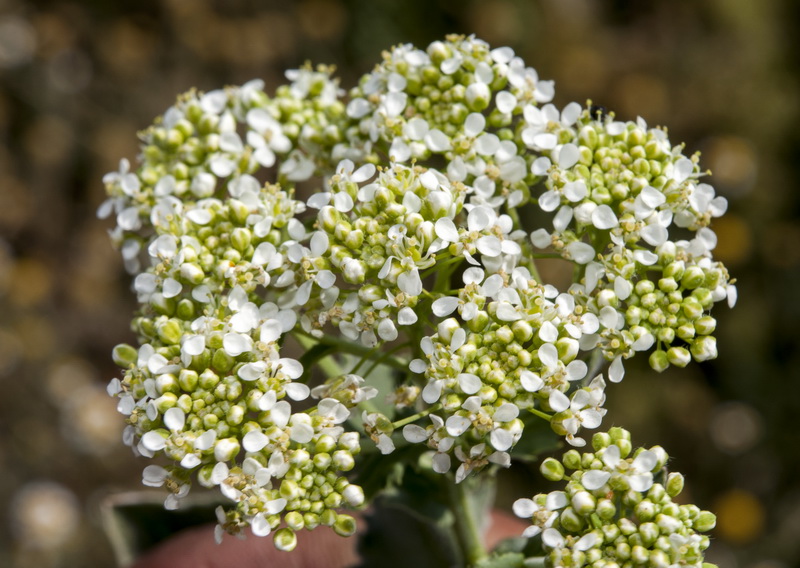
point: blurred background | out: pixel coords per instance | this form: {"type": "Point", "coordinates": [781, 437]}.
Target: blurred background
{"type": "Point", "coordinates": [78, 79]}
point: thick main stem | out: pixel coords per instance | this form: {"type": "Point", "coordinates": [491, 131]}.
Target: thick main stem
{"type": "Point", "coordinates": [466, 524]}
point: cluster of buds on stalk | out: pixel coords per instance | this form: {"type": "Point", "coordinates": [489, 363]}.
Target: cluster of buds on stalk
{"type": "Point", "coordinates": [400, 224]}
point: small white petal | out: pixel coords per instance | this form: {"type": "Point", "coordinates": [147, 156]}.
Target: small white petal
{"type": "Point", "coordinates": [595, 479]}
{"type": "Point", "coordinates": [255, 441]}
{"type": "Point", "coordinates": [414, 434]}
{"type": "Point", "coordinates": [174, 419]}
{"type": "Point", "coordinates": [444, 306]}
{"type": "Point", "coordinates": [469, 383]}
{"type": "Point", "coordinates": [154, 441]}
{"type": "Point", "coordinates": [616, 370]}
{"type": "Point", "coordinates": [524, 508]}
{"type": "Point", "coordinates": [558, 401]}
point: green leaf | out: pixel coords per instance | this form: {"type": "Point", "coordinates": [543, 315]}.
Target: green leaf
{"type": "Point", "coordinates": [311, 356]}
{"type": "Point", "coordinates": [507, 560]}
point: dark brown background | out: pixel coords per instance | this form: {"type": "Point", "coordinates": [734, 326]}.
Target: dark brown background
{"type": "Point", "coordinates": [78, 79]}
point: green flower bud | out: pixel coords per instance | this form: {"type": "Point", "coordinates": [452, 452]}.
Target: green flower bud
{"type": "Point", "coordinates": [571, 459]}
{"type": "Point", "coordinates": [327, 517]}
{"type": "Point", "coordinates": [623, 551]}
{"type": "Point", "coordinates": [124, 355]}
{"type": "Point", "coordinates": [478, 96]}
{"type": "Point", "coordinates": [606, 509]}
{"type": "Point", "coordinates": [571, 521]}
{"type": "Point", "coordinates": [290, 490]}
{"type": "Point", "coordinates": [686, 332]}
{"type": "Point", "coordinates": [644, 287]}
{"type": "Point", "coordinates": [583, 503]}
{"type": "Point", "coordinates": [204, 475]}
{"type": "Point", "coordinates": [704, 296]}
{"type": "Point", "coordinates": [705, 521]}
{"type": "Point", "coordinates": [523, 331]}
{"type": "Point", "coordinates": [639, 555]}
{"type": "Point", "coordinates": [678, 356]}
{"type": "Point", "coordinates": [601, 440]}
{"type": "Point", "coordinates": [659, 361]}
{"type": "Point", "coordinates": [704, 348]}
{"type": "Point", "coordinates": [185, 310]}
{"type": "Point", "coordinates": [343, 460]}
{"type": "Point", "coordinates": [634, 315]}
{"type": "Point", "coordinates": [567, 349]}
{"type": "Point", "coordinates": [325, 443]}
{"type": "Point", "coordinates": [692, 307]}
{"type": "Point", "coordinates": [674, 484]}
{"type": "Point", "coordinates": [666, 335]}
{"type": "Point", "coordinates": [333, 500]}
{"type": "Point", "coordinates": [667, 284]}
{"type": "Point", "coordinates": [479, 322]}
{"type": "Point", "coordinates": [167, 383]}
{"type": "Point", "coordinates": [611, 532]}
{"type": "Point", "coordinates": [235, 415]}
{"type": "Point", "coordinates": [705, 325]}
{"type": "Point", "coordinates": [222, 361]}
{"type": "Point", "coordinates": [552, 469]}
{"type": "Point", "coordinates": [170, 331]}
{"type": "Point", "coordinates": [208, 380]}
{"type": "Point", "coordinates": [345, 525]}
{"type": "Point", "coordinates": [354, 495]}
{"type": "Point", "coordinates": [294, 520]}
{"type": "Point", "coordinates": [607, 298]}
{"type": "Point", "coordinates": [187, 380]}
{"type": "Point", "coordinates": [627, 527]}
{"type": "Point", "coordinates": [631, 498]}
{"type": "Point", "coordinates": [210, 421]}
{"type": "Point", "coordinates": [649, 533]}
{"type": "Point", "coordinates": [285, 539]}
{"type": "Point", "coordinates": [311, 520]}
{"type": "Point", "coordinates": [668, 524]}
{"type": "Point", "coordinates": [675, 270]}
{"type": "Point", "coordinates": [226, 449]}
{"type": "Point", "coordinates": [165, 402]}
{"type": "Point", "coordinates": [322, 461]}
{"type": "Point", "coordinates": [693, 277]}
{"type": "Point", "coordinates": [185, 404]}
{"type": "Point", "coordinates": [645, 510]}
{"type": "Point", "coordinates": [656, 493]}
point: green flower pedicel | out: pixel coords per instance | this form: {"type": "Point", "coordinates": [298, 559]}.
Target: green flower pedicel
{"type": "Point", "coordinates": [321, 275]}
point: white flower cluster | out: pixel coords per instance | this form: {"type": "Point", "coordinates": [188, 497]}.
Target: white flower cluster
{"type": "Point", "coordinates": [413, 250]}
{"type": "Point", "coordinates": [613, 512]}
{"type": "Point", "coordinates": [618, 192]}
{"type": "Point", "coordinates": [209, 387]}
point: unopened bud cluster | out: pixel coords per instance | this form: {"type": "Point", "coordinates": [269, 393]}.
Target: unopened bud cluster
{"type": "Point", "coordinates": [619, 191]}
{"type": "Point", "coordinates": [613, 513]}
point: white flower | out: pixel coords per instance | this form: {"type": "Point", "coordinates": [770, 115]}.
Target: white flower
{"type": "Point", "coordinates": [639, 475]}
{"type": "Point", "coordinates": [544, 516]}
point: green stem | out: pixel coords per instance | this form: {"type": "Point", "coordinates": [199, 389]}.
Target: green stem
{"type": "Point", "coordinates": [383, 356]}
{"type": "Point", "coordinates": [466, 524]}
{"type": "Point", "coordinates": [514, 214]}
{"type": "Point", "coordinates": [417, 416]}
{"type": "Point", "coordinates": [540, 414]}
{"type": "Point", "coordinates": [535, 562]}
{"type": "Point", "coordinates": [352, 348]}
{"type": "Point", "coordinates": [596, 362]}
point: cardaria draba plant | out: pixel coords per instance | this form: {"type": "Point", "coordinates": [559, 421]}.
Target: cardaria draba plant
{"type": "Point", "coordinates": [325, 275]}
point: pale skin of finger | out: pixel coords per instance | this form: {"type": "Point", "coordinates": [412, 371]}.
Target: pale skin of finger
{"type": "Point", "coordinates": [196, 548]}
